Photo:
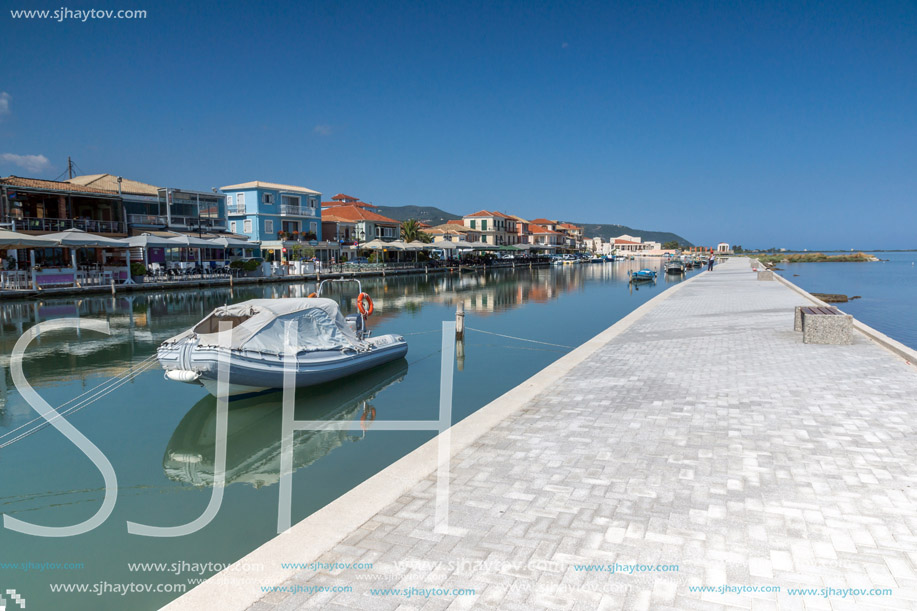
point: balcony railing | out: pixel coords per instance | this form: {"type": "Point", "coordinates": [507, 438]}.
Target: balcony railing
{"type": "Point", "coordinates": [288, 210]}
{"type": "Point", "coordinates": [194, 221]}
{"type": "Point", "coordinates": [236, 208]}
{"type": "Point", "coordinates": [53, 225]}
{"type": "Point", "coordinates": [146, 219]}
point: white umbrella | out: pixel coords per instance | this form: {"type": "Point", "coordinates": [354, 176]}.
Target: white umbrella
{"type": "Point", "coordinates": [77, 238]}
{"type": "Point", "coordinates": [147, 240]}
{"type": "Point", "coordinates": [186, 241]}
{"type": "Point", "coordinates": [376, 244]}
{"type": "Point", "coordinates": [463, 244]}
{"type": "Point", "coordinates": [444, 245]}
{"type": "Point", "coordinates": [396, 245]}
{"type": "Point", "coordinates": [12, 240]}
{"type": "Point", "coordinates": [233, 243]}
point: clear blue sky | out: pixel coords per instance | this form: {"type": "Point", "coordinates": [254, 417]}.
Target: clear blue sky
{"type": "Point", "coordinates": [764, 124]}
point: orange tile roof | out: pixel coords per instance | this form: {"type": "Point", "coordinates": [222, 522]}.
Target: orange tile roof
{"type": "Point", "coordinates": [335, 204]}
{"type": "Point", "coordinates": [51, 185]}
{"type": "Point", "coordinates": [341, 196]}
{"type": "Point", "coordinates": [455, 222]}
{"type": "Point", "coordinates": [505, 216]}
{"type": "Point", "coordinates": [539, 229]}
{"type": "Point", "coordinates": [543, 222]}
{"type": "Point", "coordinates": [351, 214]}
{"type": "Point", "coordinates": [625, 242]}
{"type": "Point", "coordinates": [479, 213]}
{"type": "Point", "coordinates": [568, 226]}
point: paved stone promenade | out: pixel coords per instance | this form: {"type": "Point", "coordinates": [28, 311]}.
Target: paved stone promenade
{"type": "Point", "coordinates": [707, 436]}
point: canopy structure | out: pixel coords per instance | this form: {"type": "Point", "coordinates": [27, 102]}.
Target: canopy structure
{"type": "Point", "coordinates": [509, 247]}
{"type": "Point", "coordinates": [418, 245]}
{"type": "Point", "coordinates": [376, 244]}
{"type": "Point", "coordinates": [484, 246]}
{"type": "Point", "coordinates": [77, 238]}
{"type": "Point", "coordinates": [463, 244]}
{"type": "Point", "coordinates": [262, 325]}
{"type": "Point", "coordinates": [13, 240]}
{"type": "Point", "coordinates": [147, 240]}
{"type": "Point", "coordinates": [186, 241]}
{"type": "Point", "coordinates": [233, 243]}
{"type": "Point", "coordinates": [444, 245]}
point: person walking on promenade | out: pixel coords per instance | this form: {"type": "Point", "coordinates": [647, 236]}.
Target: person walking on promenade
{"type": "Point", "coordinates": [710, 263]}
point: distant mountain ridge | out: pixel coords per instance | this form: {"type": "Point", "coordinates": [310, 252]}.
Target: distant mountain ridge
{"type": "Point", "coordinates": [435, 216]}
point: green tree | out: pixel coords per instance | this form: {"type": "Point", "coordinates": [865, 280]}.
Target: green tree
{"type": "Point", "coordinates": [671, 245]}
{"type": "Point", "coordinates": [411, 231]}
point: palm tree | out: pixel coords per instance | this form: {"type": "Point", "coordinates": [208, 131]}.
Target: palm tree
{"type": "Point", "coordinates": [410, 231]}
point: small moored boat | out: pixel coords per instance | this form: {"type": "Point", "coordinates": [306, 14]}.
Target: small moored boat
{"type": "Point", "coordinates": [261, 335]}
{"type": "Point", "coordinates": [642, 275]}
{"type": "Point", "coordinates": [675, 267]}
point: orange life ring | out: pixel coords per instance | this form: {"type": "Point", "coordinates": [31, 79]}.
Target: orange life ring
{"type": "Point", "coordinates": [368, 414]}
{"type": "Point", "coordinates": [362, 300]}
{"type": "Point", "coordinates": [311, 295]}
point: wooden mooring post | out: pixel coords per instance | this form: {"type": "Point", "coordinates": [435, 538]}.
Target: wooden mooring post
{"type": "Point", "coordinates": [460, 321]}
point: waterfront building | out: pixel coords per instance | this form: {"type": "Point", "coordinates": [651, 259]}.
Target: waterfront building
{"type": "Point", "coordinates": [724, 249]}
{"type": "Point", "coordinates": [546, 223]}
{"type": "Point", "coordinates": [452, 232]}
{"type": "Point", "coordinates": [523, 234]}
{"type": "Point", "coordinates": [495, 227]}
{"type": "Point", "coordinates": [38, 206]}
{"type": "Point", "coordinates": [150, 208]}
{"type": "Point", "coordinates": [349, 226]}
{"type": "Point", "coordinates": [542, 236]}
{"type": "Point", "coordinates": [573, 235]}
{"type": "Point", "coordinates": [282, 217]}
{"type": "Point", "coordinates": [347, 200]}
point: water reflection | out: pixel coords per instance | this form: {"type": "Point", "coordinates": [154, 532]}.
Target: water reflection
{"type": "Point", "coordinates": [254, 429]}
{"type": "Point", "coordinates": [140, 322]}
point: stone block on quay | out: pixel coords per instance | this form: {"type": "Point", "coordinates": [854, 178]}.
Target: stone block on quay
{"type": "Point", "coordinates": [766, 275]}
{"type": "Point", "coordinates": [827, 329]}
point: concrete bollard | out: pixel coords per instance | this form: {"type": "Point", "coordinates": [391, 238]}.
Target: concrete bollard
{"type": "Point", "coordinates": [112, 286]}
{"type": "Point", "coordinates": [460, 321]}
{"type": "Point", "coordinates": [765, 275]}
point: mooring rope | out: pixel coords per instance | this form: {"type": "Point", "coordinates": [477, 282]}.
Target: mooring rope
{"type": "Point", "coordinates": [126, 372]}
{"type": "Point", "coordinates": [521, 339]}
{"type": "Point", "coordinates": [78, 406]}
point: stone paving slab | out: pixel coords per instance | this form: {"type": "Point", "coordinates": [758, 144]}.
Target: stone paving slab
{"type": "Point", "coordinates": [706, 436]}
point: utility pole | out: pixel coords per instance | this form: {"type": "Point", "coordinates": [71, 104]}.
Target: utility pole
{"type": "Point", "coordinates": [69, 167]}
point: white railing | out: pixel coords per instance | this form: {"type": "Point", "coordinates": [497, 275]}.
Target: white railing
{"type": "Point", "coordinates": [297, 210]}
{"type": "Point", "coordinates": [236, 208]}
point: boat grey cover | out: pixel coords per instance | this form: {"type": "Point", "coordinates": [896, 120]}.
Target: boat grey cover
{"type": "Point", "coordinates": [260, 325]}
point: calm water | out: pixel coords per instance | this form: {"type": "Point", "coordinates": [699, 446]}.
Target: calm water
{"type": "Point", "coordinates": [887, 290]}
{"type": "Point", "coordinates": [159, 434]}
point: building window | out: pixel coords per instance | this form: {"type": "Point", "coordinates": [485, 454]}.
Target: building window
{"type": "Point", "coordinates": [289, 200]}
{"type": "Point", "coordinates": [312, 202]}
{"type": "Point", "coordinates": [247, 226]}
{"type": "Point", "coordinates": [483, 225]}
{"type": "Point", "coordinates": [472, 224]}
{"type": "Point", "coordinates": [232, 226]}
{"type": "Point", "coordinates": [313, 227]}
{"type": "Point", "coordinates": [484, 237]}
{"type": "Point", "coordinates": [268, 226]}
{"type": "Point", "coordinates": [240, 201]}
{"type": "Point", "coordinates": [267, 198]}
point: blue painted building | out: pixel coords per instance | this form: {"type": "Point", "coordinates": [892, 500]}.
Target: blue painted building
{"type": "Point", "coordinates": [275, 215]}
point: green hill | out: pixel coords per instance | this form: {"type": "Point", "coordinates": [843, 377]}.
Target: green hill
{"type": "Point", "coordinates": [591, 230]}
{"type": "Point", "coordinates": [435, 216]}
{"type": "Point", "coordinates": [427, 214]}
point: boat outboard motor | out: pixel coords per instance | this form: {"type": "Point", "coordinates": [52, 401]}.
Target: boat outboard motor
{"type": "Point", "coordinates": [357, 324]}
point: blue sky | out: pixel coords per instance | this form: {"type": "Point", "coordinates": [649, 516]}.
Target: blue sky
{"type": "Point", "coordinates": [763, 124]}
